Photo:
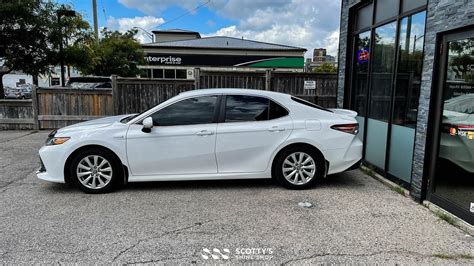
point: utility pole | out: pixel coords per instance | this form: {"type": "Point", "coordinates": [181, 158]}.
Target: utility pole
{"type": "Point", "coordinates": [96, 26]}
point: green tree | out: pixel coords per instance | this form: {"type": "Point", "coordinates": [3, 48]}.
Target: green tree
{"type": "Point", "coordinates": [30, 36]}
{"type": "Point", "coordinates": [325, 68]}
{"type": "Point", "coordinates": [116, 53]}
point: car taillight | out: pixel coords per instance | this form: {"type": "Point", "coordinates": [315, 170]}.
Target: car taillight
{"type": "Point", "coordinates": [348, 128]}
{"type": "Point", "coordinates": [454, 130]}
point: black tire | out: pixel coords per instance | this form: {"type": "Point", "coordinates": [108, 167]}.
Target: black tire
{"type": "Point", "coordinates": [277, 168]}
{"type": "Point", "coordinates": [116, 174]}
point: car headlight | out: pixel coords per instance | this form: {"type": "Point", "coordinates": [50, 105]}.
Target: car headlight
{"type": "Point", "coordinates": [57, 140]}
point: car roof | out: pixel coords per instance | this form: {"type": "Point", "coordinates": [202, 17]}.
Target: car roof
{"type": "Point", "coordinates": [233, 91]}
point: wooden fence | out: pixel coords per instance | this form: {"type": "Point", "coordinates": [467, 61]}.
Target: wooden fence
{"type": "Point", "coordinates": [227, 79]}
{"type": "Point", "coordinates": [134, 95]}
{"type": "Point", "coordinates": [16, 114]}
{"type": "Point", "coordinates": [59, 107]}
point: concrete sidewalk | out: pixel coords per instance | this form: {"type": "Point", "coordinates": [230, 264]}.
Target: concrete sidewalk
{"type": "Point", "coordinates": [354, 219]}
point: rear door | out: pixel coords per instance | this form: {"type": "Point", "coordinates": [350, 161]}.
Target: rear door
{"type": "Point", "coordinates": [250, 130]}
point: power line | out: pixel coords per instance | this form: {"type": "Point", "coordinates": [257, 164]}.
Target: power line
{"type": "Point", "coordinates": [184, 14]}
{"type": "Point", "coordinates": [103, 10]}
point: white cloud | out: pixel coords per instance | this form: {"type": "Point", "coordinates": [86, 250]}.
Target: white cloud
{"type": "Point", "coordinates": [123, 24]}
{"type": "Point", "coordinates": [303, 23]}
{"type": "Point", "coordinates": [155, 7]}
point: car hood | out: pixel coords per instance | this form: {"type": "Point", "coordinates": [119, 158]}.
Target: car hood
{"type": "Point", "coordinates": [451, 117]}
{"type": "Point", "coordinates": [92, 124]}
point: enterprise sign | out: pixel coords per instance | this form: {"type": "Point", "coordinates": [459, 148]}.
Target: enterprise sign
{"type": "Point", "coordinates": [164, 60]}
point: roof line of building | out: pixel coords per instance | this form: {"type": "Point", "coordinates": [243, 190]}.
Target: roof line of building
{"type": "Point", "coordinates": [158, 45]}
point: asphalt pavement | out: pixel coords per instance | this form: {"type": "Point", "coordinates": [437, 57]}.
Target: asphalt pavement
{"type": "Point", "coordinates": [347, 218]}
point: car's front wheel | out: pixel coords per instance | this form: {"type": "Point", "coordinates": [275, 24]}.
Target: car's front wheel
{"type": "Point", "coordinates": [96, 171]}
{"type": "Point", "coordinates": [298, 167]}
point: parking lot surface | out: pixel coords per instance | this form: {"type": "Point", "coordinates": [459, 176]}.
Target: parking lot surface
{"type": "Point", "coordinates": [353, 218]}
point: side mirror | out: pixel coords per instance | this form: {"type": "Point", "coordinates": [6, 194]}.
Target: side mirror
{"type": "Point", "coordinates": [147, 124]}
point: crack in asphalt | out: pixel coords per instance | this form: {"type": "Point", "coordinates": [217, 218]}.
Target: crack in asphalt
{"type": "Point", "coordinates": [19, 137]}
{"type": "Point", "coordinates": [46, 251]}
{"type": "Point", "coordinates": [156, 237]}
{"type": "Point", "coordinates": [7, 184]}
{"type": "Point", "coordinates": [403, 252]}
{"type": "Point", "coordinates": [157, 260]}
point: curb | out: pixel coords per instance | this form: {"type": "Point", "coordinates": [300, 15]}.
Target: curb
{"type": "Point", "coordinates": [455, 221]}
{"type": "Point", "coordinates": [401, 190]}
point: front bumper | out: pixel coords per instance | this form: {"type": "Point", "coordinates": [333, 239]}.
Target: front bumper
{"type": "Point", "coordinates": [52, 159]}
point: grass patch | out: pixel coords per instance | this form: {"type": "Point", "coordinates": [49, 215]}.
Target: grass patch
{"type": "Point", "coordinates": [399, 190]}
{"type": "Point", "coordinates": [446, 217]}
{"type": "Point", "coordinates": [453, 257]}
{"type": "Point", "coordinates": [368, 171]}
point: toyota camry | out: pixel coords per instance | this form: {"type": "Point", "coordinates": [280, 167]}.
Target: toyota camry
{"type": "Point", "coordinates": [206, 135]}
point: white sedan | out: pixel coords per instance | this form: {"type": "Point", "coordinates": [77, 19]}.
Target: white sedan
{"type": "Point", "coordinates": [206, 135]}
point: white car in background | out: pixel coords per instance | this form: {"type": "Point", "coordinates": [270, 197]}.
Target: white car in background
{"type": "Point", "coordinates": [206, 135]}
{"type": "Point", "coordinates": [457, 137]}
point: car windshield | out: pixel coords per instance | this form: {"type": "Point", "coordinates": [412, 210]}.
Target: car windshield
{"type": "Point", "coordinates": [130, 117]}
{"type": "Point", "coordinates": [461, 104]}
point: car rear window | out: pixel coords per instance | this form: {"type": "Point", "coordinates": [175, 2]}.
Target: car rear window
{"type": "Point", "coordinates": [310, 104]}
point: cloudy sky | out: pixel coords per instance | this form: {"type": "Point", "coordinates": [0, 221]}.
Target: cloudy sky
{"type": "Point", "coordinates": [303, 23]}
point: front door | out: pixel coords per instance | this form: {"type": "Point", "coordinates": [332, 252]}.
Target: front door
{"type": "Point", "coordinates": [452, 185]}
{"type": "Point", "coordinates": [182, 140]}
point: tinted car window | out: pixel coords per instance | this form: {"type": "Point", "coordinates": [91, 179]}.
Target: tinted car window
{"type": "Point", "coordinates": [199, 110]}
{"type": "Point", "coordinates": [276, 110]}
{"type": "Point", "coordinates": [241, 108]}
{"type": "Point", "coordinates": [304, 102]}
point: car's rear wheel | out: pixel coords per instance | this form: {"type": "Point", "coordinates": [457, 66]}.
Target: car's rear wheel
{"type": "Point", "coordinates": [298, 167]}
{"type": "Point", "coordinates": [96, 171]}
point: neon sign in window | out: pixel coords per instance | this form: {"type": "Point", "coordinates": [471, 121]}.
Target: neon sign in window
{"type": "Point", "coordinates": [362, 56]}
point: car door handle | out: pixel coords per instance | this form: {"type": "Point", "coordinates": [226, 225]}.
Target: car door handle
{"type": "Point", "coordinates": [204, 133]}
{"type": "Point", "coordinates": [276, 129]}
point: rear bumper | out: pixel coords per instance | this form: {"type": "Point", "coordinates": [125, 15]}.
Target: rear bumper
{"type": "Point", "coordinates": [341, 160]}
{"type": "Point", "coordinates": [355, 166]}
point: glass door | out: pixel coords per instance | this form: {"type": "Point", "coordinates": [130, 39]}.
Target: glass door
{"type": "Point", "coordinates": [453, 185]}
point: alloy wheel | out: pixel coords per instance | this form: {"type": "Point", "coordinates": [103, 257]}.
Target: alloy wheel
{"type": "Point", "coordinates": [94, 172]}
{"type": "Point", "coordinates": [299, 168]}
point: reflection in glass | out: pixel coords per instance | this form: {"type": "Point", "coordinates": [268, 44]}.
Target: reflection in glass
{"type": "Point", "coordinates": [380, 94]}
{"type": "Point", "coordinates": [199, 110]}
{"type": "Point", "coordinates": [455, 165]}
{"type": "Point", "coordinates": [407, 92]}
{"type": "Point", "coordinates": [361, 68]}
{"type": "Point", "coordinates": [410, 62]}
{"type": "Point", "coordinates": [241, 108]}
{"type": "Point", "coordinates": [383, 58]}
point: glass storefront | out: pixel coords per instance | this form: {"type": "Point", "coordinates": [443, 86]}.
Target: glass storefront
{"type": "Point", "coordinates": [386, 79]}
{"type": "Point", "coordinates": [407, 93]}
{"type": "Point", "coordinates": [361, 67]}
{"type": "Point", "coordinates": [386, 71]}
{"type": "Point", "coordinates": [454, 174]}
{"type": "Point", "coordinates": [380, 94]}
